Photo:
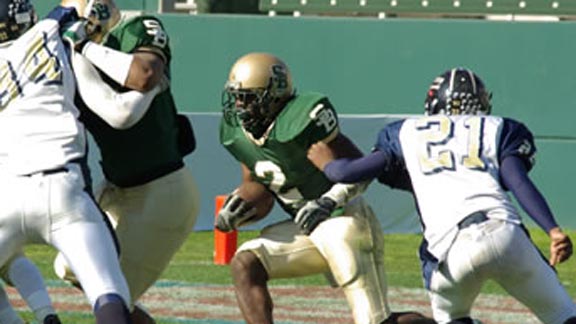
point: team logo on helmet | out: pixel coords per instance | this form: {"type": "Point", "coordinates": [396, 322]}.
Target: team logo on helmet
{"type": "Point", "coordinates": [457, 91]}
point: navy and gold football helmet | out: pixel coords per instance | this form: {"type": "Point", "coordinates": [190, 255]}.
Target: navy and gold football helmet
{"type": "Point", "coordinates": [458, 91]}
{"type": "Point", "coordinates": [258, 86]}
{"type": "Point", "coordinates": [16, 17]}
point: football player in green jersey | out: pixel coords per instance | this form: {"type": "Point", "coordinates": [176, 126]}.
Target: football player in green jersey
{"type": "Point", "coordinates": [148, 194]}
{"type": "Point", "coordinates": [268, 128]}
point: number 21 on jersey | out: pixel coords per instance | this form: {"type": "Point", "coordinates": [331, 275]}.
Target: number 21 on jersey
{"type": "Point", "coordinates": [437, 151]}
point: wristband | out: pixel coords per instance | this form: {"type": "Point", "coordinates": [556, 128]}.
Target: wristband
{"type": "Point", "coordinates": [113, 63]}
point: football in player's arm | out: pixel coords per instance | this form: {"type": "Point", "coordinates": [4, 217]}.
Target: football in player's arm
{"type": "Point", "coordinates": [329, 228]}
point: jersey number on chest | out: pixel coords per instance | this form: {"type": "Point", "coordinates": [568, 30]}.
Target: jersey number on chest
{"type": "Point", "coordinates": [270, 171]}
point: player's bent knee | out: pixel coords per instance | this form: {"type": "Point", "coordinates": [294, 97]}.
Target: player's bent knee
{"type": "Point", "coordinates": [245, 266]}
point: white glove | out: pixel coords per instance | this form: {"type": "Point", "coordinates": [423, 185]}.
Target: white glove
{"type": "Point", "coordinates": [235, 212]}
{"type": "Point", "coordinates": [313, 213]}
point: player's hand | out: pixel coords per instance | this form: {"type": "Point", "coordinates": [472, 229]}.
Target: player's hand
{"type": "Point", "coordinates": [235, 212]}
{"type": "Point", "coordinates": [560, 246]}
{"type": "Point", "coordinates": [75, 33]}
{"type": "Point", "coordinates": [313, 213]}
{"type": "Point", "coordinates": [320, 154]}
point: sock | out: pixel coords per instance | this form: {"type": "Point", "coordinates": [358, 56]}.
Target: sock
{"type": "Point", "coordinates": [110, 308]}
{"type": "Point", "coordinates": [27, 279]}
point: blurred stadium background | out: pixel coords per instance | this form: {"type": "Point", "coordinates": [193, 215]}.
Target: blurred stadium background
{"type": "Point", "coordinates": [375, 60]}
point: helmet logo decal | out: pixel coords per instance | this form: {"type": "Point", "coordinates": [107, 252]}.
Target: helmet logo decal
{"type": "Point", "coordinates": [100, 11]}
{"type": "Point", "coordinates": [280, 78]}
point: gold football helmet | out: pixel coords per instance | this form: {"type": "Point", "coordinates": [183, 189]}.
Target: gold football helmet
{"type": "Point", "coordinates": [258, 87]}
{"type": "Point", "coordinates": [102, 16]}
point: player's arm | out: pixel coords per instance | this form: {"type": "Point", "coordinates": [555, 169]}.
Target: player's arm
{"type": "Point", "coordinates": [120, 110]}
{"type": "Point", "coordinates": [248, 203]}
{"type": "Point", "coordinates": [141, 70]}
{"type": "Point", "coordinates": [517, 151]}
{"type": "Point", "coordinates": [316, 211]}
{"type": "Point", "coordinates": [514, 175]}
{"type": "Point", "coordinates": [354, 169]}
{"type": "Point", "coordinates": [342, 147]}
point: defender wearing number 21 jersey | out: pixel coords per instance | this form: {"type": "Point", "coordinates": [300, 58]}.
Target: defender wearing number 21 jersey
{"type": "Point", "coordinates": [463, 154]}
{"type": "Point", "coordinates": [460, 163]}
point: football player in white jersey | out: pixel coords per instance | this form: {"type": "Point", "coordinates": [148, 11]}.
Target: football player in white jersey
{"type": "Point", "coordinates": [43, 158]}
{"type": "Point", "coordinates": [459, 163]}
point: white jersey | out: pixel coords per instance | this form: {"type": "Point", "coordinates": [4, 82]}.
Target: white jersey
{"type": "Point", "coordinates": [39, 129]}
{"type": "Point", "coordinates": [461, 155]}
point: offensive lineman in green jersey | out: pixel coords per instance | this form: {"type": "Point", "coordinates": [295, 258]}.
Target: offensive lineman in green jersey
{"type": "Point", "coordinates": [331, 229]}
{"type": "Point", "coordinates": [148, 194]}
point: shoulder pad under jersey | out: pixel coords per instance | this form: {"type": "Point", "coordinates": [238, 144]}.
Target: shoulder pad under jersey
{"type": "Point", "coordinates": [304, 109]}
{"type": "Point", "coordinates": [140, 31]}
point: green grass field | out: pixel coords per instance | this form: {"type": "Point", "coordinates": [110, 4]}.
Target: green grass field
{"type": "Point", "coordinates": [194, 265]}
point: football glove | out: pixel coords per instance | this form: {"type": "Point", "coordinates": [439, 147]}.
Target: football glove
{"type": "Point", "coordinates": [313, 213]}
{"type": "Point", "coordinates": [235, 212]}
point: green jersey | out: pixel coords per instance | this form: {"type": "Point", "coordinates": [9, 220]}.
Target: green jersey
{"type": "Point", "coordinates": [148, 149]}
{"type": "Point", "coordinates": [280, 162]}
